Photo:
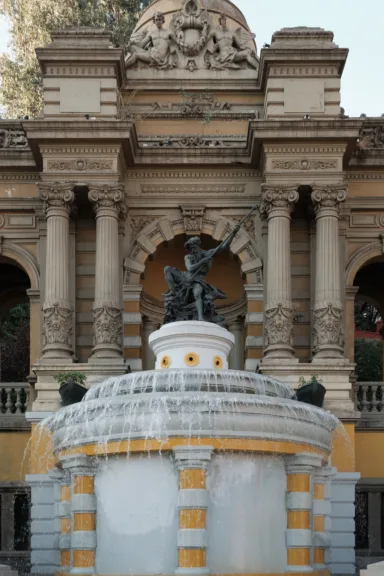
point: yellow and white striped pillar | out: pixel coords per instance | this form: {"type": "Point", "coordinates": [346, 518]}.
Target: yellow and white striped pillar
{"type": "Point", "coordinates": [300, 469]}
{"type": "Point", "coordinates": [83, 536]}
{"type": "Point", "coordinates": [192, 463]}
{"type": "Point", "coordinates": [65, 515]}
{"type": "Point", "coordinates": [321, 510]}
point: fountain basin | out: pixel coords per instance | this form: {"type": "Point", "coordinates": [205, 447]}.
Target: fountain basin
{"type": "Point", "coordinates": [192, 470]}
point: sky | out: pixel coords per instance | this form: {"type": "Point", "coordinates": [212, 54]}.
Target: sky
{"type": "Point", "coordinates": [357, 25]}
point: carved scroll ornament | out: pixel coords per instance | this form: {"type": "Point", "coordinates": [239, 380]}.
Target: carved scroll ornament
{"type": "Point", "coordinates": [278, 197]}
{"type": "Point", "coordinates": [57, 323]}
{"type": "Point", "coordinates": [111, 197]}
{"type": "Point", "coordinates": [107, 325]}
{"type": "Point", "coordinates": [328, 326]}
{"type": "Point", "coordinates": [57, 195]}
{"type": "Point", "coordinates": [328, 197]}
{"type": "Point", "coordinates": [279, 325]}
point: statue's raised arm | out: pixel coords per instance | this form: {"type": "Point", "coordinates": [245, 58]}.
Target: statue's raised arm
{"type": "Point", "coordinates": [228, 241]}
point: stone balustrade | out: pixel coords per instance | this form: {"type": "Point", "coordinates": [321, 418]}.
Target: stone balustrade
{"type": "Point", "coordinates": [13, 398]}
{"type": "Point", "coordinates": [369, 398]}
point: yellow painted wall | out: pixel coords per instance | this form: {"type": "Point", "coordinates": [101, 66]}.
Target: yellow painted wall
{"type": "Point", "coordinates": [370, 453]}
{"type": "Point", "coordinates": [343, 448]}
{"type": "Point", "coordinates": [14, 456]}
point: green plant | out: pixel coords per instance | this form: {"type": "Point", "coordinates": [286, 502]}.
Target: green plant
{"type": "Point", "coordinates": [369, 360]}
{"type": "Point", "coordinates": [76, 377]}
{"type": "Point", "coordinates": [313, 380]}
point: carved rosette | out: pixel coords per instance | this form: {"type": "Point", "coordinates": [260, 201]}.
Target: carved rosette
{"type": "Point", "coordinates": [279, 325]}
{"type": "Point", "coordinates": [328, 198]}
{"type": "Point", "coordinates": [278, 198]}
{"type": "Point", "coordinates": [111, 198]}
{"type": "Point", "coordinates": [328, 327]}
{"type": "Point", "coordinates": [107, 326]}
{"type": "Point", "coordinates": [57, 196]}
{"type": "Point", "coordinates": [57, 325]}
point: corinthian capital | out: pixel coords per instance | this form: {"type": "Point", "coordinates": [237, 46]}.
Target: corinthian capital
{"type": "Point", "coordinates": [109, 197]}
{"type": "Point", "coordinates": [57, 195]}
{"type": "Point", "coordinates": [328, 197]}
{"type": "Point", "coordinates": [283, 197]}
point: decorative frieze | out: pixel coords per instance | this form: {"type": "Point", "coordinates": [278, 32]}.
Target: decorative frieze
{"type": "Point", "coordinates": [190, 189]}
{"type": "Point", "coordinates": [12, 138]}
{"type": "Point", "coordinates": [137, 224]}
{"type": "Point", "coordinates": [193, 175]}
{"type": "Point", "coordinates": [304, 164]}
{"type": "Point", "coordinates": [371, 137]}
{"type": "Point", "coordinates": [80, 165]}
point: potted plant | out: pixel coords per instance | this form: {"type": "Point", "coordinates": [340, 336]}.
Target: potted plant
{"type": "Point", "coordinates": [311, 391]}
{"type": "Point", "coordinates": [72, 389]}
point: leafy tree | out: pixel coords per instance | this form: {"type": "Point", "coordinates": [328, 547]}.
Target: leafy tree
{"type": "Point", "coordinates": [14, 344]}
{"type": "Point", "coordinates": [366, 317]}
{"type": "Point", "coordinates": [32, 21]}
{"type": "Point", "coordinates": [369, 360]}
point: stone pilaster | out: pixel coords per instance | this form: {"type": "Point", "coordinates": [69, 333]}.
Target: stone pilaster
{"type": "Point", "coordinates": [83, 514]}
{"type": "Point", "coordinates": [321, 514]}
{"type": "Point", "coordinates": [57, 309]}
{"type": "Point", "coordinates": [277, 206]}
{"type": "Point", "coordinates": [149, 359]}
{"type": "Point", "coordinates": [65, 515]}
{"type": "Point", "coordinates": [109, 204]}
{"type": "Point", "coordinates": [192, 462]}
{"type": "Point", "coordinates": [236, 357]}
{"type": "Point", "coordinates": [300, 469]}
{"type": "Point", "coordinates": [328, 333]}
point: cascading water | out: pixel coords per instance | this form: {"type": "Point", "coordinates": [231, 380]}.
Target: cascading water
{"type": "Point", "coordinates": [133, 429]}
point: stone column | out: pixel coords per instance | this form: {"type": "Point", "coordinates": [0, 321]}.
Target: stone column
{"type": "Point", "coordinates": [321, 511]}
{"type": "Point", "coordinates": [57, 309]}
{"type": "Point", "coordinates": [149, 359]}
{"type": "Point", "coordinates": [236, 357]}
{"type": "Point", "coordinates": [328, 337]}
{"type": "Point", "coordinates": [277, 206]}
{"type": "Point", "coordinates": [65, 515]}
{"type": "Point", "coordinates": [109, 204]}
{"type": "Point", "coordinates": [192, 462]}
{"type": "Point", "coordinates": [83, 513]}
{"type": "Point", "coordinates": [299, 470]}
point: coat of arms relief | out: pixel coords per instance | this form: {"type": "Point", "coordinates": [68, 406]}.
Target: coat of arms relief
{"type": "Point", "coordinates": [193, 42]}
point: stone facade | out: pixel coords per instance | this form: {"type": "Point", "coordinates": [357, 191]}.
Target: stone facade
{"type": "Point", "coordinates": [182, 137]}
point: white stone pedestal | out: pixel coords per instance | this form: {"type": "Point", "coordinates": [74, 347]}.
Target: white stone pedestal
{"type": "Point", "coordinates": [372, 570]}
{"type": "Point", "coordinates": [192, 344]}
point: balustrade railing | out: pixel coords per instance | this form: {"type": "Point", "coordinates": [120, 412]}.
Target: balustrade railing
{"type": "Point", "coordinates": [370, 397]}
{"type": "Point", "coordinates": [13, 398]}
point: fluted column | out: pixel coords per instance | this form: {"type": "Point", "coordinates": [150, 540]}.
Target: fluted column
{"type": "Point", "coordinates": [109, 204]}
{"type": "Point", "coordinates": [278, 204]}
{"type": "Point", "coordinates": [328, 337]}
{"type": "Point", "coordinates": [57, 309]}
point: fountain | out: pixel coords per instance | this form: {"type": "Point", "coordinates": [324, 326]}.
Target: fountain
{"type": "Point", "coordinates": [192, 468]}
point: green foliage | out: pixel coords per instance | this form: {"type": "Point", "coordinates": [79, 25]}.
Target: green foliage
{"type": "Point", "coordinates": [366, 317]}
{"type": "Point", "coordinates": [14, 344]}
{"type": "Point", "coordinates": [32, 21]}
{"type": "Point", "coordinates": [313, 380]}
{"type": "Point", "coordinates": [76, 377]}
{"type": "Point", "coordinates": [369, 360]}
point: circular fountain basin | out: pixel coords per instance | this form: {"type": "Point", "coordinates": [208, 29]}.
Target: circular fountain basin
{"type": "Point", "coordinates": [239, 429]}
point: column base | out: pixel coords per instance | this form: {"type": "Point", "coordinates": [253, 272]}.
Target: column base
{"type": "Point", "coordinates": [60, 352]}
{"type": "Point", "coordinates": [107, 352]}
{"type": "Point", "coordinates": [279, 352]}
{"type": "Point", "coordinates": [192, 571]}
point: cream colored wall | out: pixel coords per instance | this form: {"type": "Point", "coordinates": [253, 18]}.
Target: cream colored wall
{"type": "Point", "coordinates": [369, 453]}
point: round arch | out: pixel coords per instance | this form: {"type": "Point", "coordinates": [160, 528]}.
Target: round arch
{"type": "Point", "coordinates": [25, 260]}
{"type": "Point", "coordinates": [360, 258]}
{"type": "Point", "coordinates": [214, 225]}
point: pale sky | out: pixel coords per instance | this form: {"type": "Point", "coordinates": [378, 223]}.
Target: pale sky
{"type": "Point", "coordinates": [357, 25]}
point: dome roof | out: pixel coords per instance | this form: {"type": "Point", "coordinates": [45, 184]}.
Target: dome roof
{"type": "Point", "coordinates": [170, 7]}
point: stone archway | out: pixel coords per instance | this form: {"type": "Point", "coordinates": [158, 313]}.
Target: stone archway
{"type": "Point", "coordinates": [362, 257]}
{"type": "Point", "coordinates": [214, 225]}
{"type": "Point", "coordinates": [165, 229]}
{"type": "Point", "coordinates": [24, 259]}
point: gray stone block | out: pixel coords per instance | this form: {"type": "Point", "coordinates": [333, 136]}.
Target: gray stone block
{"type": "Point", "coordinates": [343, 510]}
{"type": "Point", "coordinates": [42, 526]}
{"type": "Point", "coordinates": [346, 540]}
{"type": "Point", "coordinates": [343, 525]}
{"type": "Point", "coordinates": [42, 495]}
{"type": "Point", "coordinates": [342, 555]}
{"type": "Point", "coordinates": [45, 557]}
{"type": "Point", "coordinates": [43, 542]}
{"type": "Point", "coordinates": [7, 571]}
{"type": "Point", "coordinates": [42, 512]}
{"type": "Point", "coordinates": [343, 493]}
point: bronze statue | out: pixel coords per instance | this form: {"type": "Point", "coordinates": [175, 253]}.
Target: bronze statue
{"type": "Point", "coordinates": [190, 297]}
